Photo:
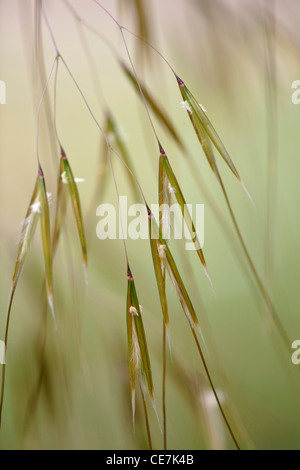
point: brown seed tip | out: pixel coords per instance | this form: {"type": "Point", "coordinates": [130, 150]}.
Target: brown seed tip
{"type": "Point", "coordinates": [40, 171]}
{"type": "Point", "coordinates": [129, 274]}
{"type": "Point", "coordinates": [149, 212]}
{"type": "Point", "coordinates": [63, 153]}
{"type": "Point", "coordinates": [180, 82]}
{"type": "Point", "coordinates": [161, 150]}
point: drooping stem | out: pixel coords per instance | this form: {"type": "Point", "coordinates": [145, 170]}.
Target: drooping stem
{"type": "Point", "coordinates": [41, 102]}
{"type": "Point", "coordinates": [146, 419]}
{"type": "Point", "coordinates": [214, 391]}
{"type": "Point", "coordinates": [11, 298]}
{"type": "Point", "coordinates": [59, 56]}
{"type": "Point", "coordinates": [164, 386]}
{"type": "Point", "coordinates": [256, 276]}
{"type": "Point", "coordinates": [132, 66]}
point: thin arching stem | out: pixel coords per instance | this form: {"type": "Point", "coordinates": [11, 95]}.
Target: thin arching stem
{"type": "Point", "coordinates": [132, 174]}
{"type": "Point", "coordinates": [55, 104]}
{"type": "Point", "coordinates": [215, 392]}
{"type": "Point", "coordinates": [5, 344]}
{"type": "Point", "coordinates": [40, 105]}
{"type": "Point", "coordinates": [49, 28]}
{"type": "Point", "coordinates": [59, 56]}
{"type": "Point", "coordinates": [164, 386]}
{"type": "Point", "coordinates": [262, 289]}
{"type": "Point", "coordinates": [132, 66]}
{"type": "Point", "coordinates": [108, 146]}
{"type": "Point", "coordinates": [151, 47]}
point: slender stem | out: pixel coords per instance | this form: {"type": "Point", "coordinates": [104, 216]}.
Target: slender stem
{"type": "Point", "coordinates": [214, 391]}
{"type": "Point", "coordinates": [133, 34]}
{"type": "Point", "coordinates": [12, 293]}
{"type": "Point", "coordinates": [132, 66]}
{"type": "Point", "coordinates": [40, 105]}
{"type": "Point", "coordinates": [40, 68]}
{"type": "Point", "coordinates": [108, 146]}
{"type": "Point", "coordinates": [164, 387]}
{"type": "Point", "coordinates": [132, 174]}
{"type": "Point", "coordinates": [120, 214]}
{"type": "Point", "coordinates": [152, 47]}
{"type": "Point", "coordinates": [49, 29]}
{"type": "Point", "coordinates": [85, 102]}
{"type": "Point", "coordinates": [55, 104]}
{"type": "Point", "coordinates": [260, 284]}
{"type": "Point", "coordinates": [92, 29]}
{"type": "Point", "coordinates": [59, 56]}
{"type": "Point", "coordinates": [108, 13]}
{"type": "Point", "coordinates": [140, 87]}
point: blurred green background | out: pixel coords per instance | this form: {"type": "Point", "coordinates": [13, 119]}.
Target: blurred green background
{"type": "Point", "coordinates": [70, 389]}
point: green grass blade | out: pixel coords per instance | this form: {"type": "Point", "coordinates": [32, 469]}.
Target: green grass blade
{"type": "Point", "coordinates": [164, 197]}
{"type": "Point", "coordinates": [205, 142]}
{"type": "Point", "coordinates": [174, 188]}
{"type": "Point", "coordinates": [27, 233]}
{"type": "Point", "coordinates": [164, 252]}
{"type": "Point", "coordinates": [61, 207]}
{"type": "Point", "coordinates": [136, 313]}
{"type": "Point", "coordinates": [47, 249]}
{"type": "Point", "coordinates": [131, 351]}
{"type": "Point", "coordinates": [201, 116]}
{"type": "Point", "coordinates": [76, 207]}
{"type": "Point", "coordinates": [159, 272]}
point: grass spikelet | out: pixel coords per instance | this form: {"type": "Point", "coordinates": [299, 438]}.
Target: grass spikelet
{"type": "Point", "coordinates": [27, 233]}
{"type": "Point", "coordinates": [68, 174]}
{"type": "Point", "coordinates": [47, 249]}
{"type": "Point", "coordinates": [61, 206]}
{"type": "Point", "coordinates": [167, 259]}
{"type": "Point", "coordinates": [158, 254]}
{"type": "Point", "coordinates": [168, 184]}
{"type": "Point", "coordinates": [139, 361]}
{"type": "Point", "coordinates": [164, 197]}
{"type": "Point", "coordinates": [202, 125]}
